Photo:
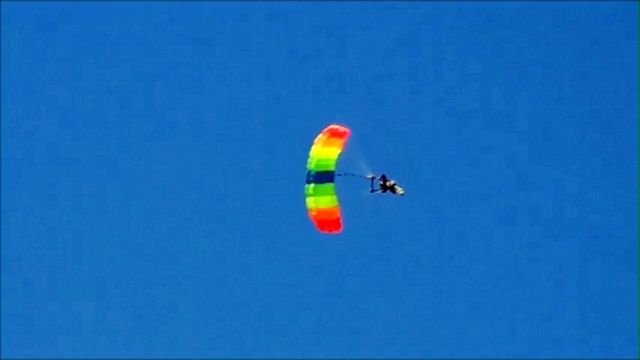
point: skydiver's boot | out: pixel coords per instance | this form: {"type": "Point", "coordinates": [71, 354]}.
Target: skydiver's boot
{"type": "Point", "coordinates": [398, 190]}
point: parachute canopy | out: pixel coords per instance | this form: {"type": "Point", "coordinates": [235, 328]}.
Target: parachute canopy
{"type": "Point", "coordinates": [320, 189]}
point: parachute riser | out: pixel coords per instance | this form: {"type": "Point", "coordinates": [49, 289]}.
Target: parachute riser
{"type": "Point", "coordinates": [353, 175]}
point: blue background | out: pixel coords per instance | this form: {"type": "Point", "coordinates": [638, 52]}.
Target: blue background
{"type": "Point", "coordinates": [153, 163]}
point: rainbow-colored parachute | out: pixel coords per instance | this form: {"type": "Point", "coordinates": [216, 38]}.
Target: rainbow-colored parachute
{"type": "Point", "coordinates": [320, 190]}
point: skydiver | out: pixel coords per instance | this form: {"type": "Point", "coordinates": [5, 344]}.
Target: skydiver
{"type": "Point", "coordinates": [385, 184]}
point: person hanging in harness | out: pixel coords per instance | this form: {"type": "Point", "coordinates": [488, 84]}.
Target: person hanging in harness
{"type": "Point", "coordinates": [385, 184]}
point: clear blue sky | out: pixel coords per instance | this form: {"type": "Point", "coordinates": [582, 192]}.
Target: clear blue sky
{"type": "Point", "coordinates": [153, 164]}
